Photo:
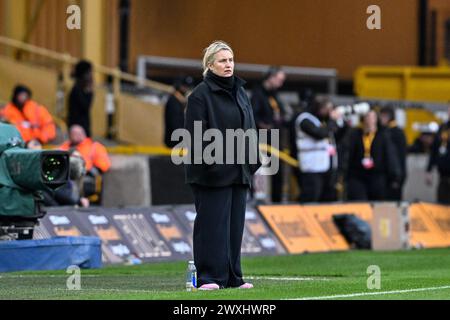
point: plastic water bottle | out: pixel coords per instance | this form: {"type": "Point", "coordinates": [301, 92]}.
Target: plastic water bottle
{"type": "Point", "coordinates": [191, 277]}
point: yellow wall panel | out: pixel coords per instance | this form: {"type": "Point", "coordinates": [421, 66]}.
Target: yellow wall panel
{"type": "Point", "coordinates": [42, 82]}
{"type": "Point", "coordinates": [319, 33]}
{"type": "Point", "coordinates": [139, 122]}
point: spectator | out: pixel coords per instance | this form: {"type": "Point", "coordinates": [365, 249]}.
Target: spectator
{"type": "Point", "coordinates": [175, 107]}
{"type": "Point", "coordinates": [370, 161]}
{"type": "Point", "coordinates": [394, 190]}
{"type": "Point", "coordinates": [81, 96]}
{"type": "Point", "coordinates": [268, 113]}
{"type": "Point", "coordinates": [440, 158]}
{"type": "Point", "coordinates": [317, 151]}
{"type": "Point", "coordinates": [31, 119]}
{"type": "Point", "coordinates": [94, 153]}
{"type": "Point", "coordinates": [306, 97]}
{"type": "Point", "coordinates": [422, 144]}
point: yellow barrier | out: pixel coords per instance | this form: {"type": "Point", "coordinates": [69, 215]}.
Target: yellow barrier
{"type": "Point", "coordinates": [415, 116]}
{"type": "Point", "coordinates": [164, 151]}
{"type": "Point", "coordinates": [403, 83]}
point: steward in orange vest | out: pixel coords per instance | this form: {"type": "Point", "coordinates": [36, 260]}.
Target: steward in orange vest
{"type": "Point", "coordinates": [31, 119]}
{"type": "Point", "coordinates": [93, 153]}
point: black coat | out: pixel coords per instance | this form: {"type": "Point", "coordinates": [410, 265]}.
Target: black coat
{"type": "Point", "coordinates": [173, 119]}
{"type": "Point", "coordinates": [79, 108]}
{"type": "Point", "coordinates": [398, 140]}
{"type": "Point", "coordinates": [262, 110]}
{"type": "Point", "coordinates": [220, 109]}
{"type": "Point", "coordinates": [382, 152]}
{"type": "Point", "coordinates": [437, 158]}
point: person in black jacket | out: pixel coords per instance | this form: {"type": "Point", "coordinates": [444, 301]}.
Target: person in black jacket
{"type": "Point", "coordinates": [440, 158]}
{"type": "Point", "coordinates": [81, 96]}
{"type": "Point", "coordinates": [269, 114]}
{"type": "Point", "coordinates": [175, 107]}
{"type": "Point", "coordinates": [220, 188]}
{"type": "Point", "coordinates": [371, 161]}
{"type": "Point", "coordinates": [394, 190]}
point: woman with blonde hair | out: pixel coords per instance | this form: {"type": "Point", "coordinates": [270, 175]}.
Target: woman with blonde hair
{"type": "Point", "coordinates": [220, 189]}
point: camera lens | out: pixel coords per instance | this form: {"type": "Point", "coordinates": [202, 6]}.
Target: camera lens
{"type": "Point", "coordinates": [53, 169]}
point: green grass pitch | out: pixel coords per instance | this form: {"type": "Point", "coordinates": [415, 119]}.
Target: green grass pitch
{"type": "Point", "coordinates": [413, 274]}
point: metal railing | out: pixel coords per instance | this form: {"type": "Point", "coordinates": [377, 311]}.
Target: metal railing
{"type": "Point", "coordinates": [304, 73]}
{"type": "Point", "coordinates": [68, 61]}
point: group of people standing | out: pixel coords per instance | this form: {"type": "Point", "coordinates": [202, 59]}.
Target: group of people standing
{"type": "Point", "coordinates": [370, 158]}
{"type": "Point", "coordinates": [336, 161]}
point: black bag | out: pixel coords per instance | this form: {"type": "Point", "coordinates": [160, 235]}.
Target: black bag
{"type": "Point", "coordinates": [356, 231]}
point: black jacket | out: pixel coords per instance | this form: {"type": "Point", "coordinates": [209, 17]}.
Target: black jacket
{"type": "Point", "coordinates": [173, 119]}
{"type": "Point", "coordinates": [79, 108]}
{"type": "Point", "coordinates": [221, 109]}
{"type": "Point", "coordinates": [440, 151]}
{"type": "Point", "coordinates": [398, 140]}
{"type": "Point", "coordinates": [382, 153]}
{"type": "Point", "coordinates": [262, 110]}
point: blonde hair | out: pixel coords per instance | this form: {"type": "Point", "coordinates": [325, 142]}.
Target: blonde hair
{"type": "Point", "coordinates": [210, 53]}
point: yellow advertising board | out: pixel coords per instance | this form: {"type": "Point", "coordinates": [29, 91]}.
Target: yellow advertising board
{"type": "Point", "coordinates": [429, 225]}
{"type": "Point", "coordinates": [323, 216]}
{"type": "Point", "coordinates": [441, 216]}
{"type": "Point", "coordinates": [311, 228]}
{"type": "Point", "coordinates": [295, 228]}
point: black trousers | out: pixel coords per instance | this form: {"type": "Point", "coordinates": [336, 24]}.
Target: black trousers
{"type": "Point", "coordinates": [443, 193]}
{"type": "Point", "coordinates": [394, 194]}
{"type": "Point", "coordinates": [370, 187]}
{"type": "Point", "coordinates": [318, 187]}
{"type": "Point", "coordinates": [277, 185]}
{"type": "Point", "coordinates": [218, 231]}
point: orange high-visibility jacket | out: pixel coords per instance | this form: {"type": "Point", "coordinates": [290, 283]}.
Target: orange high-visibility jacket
{"type": "Point", "coordinates": [34, 122]}
{"type": "Point", "coordinates": [93, 153]}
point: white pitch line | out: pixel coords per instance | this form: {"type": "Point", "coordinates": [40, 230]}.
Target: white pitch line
{"type": "Point", "coordinates": [24, 276]}
{"type": "Point", "coordinates": [274, 278]}
{"type": "Point", "coordinates": [284, 278]}
{"type": "Point", "coordinates": [114, 290]}
{"type": "Point", "coordinates": [377, 293]}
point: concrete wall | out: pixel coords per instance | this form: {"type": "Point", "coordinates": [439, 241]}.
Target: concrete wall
{"type": "Point", "coordinates": [415, 187]}
{"type": "Point", "coordinates": [128, 182]}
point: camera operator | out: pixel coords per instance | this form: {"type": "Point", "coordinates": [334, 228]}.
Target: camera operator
{"type": "Point", "coordinates": [317, 130]}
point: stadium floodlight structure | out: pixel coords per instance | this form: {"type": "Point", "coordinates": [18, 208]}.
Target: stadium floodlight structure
{"type": "Point", "coordinates": [24, 175]}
